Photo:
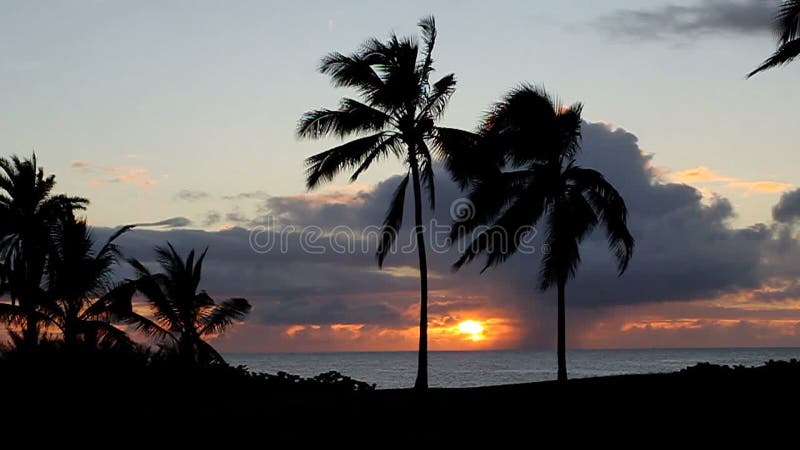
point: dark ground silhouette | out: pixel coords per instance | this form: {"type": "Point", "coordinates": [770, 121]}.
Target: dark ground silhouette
{"type": "Point", "coordinates": [702, 403]}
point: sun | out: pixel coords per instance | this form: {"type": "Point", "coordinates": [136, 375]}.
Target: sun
{"type": "Point", "coordinates": [473, 328]}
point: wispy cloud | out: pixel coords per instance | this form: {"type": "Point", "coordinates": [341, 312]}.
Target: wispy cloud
{"type": "Point", "coordinates": [80, 165]}
{"type": "Point", "coordinates": [137, 176]}
{"type": "Point", "coordinates": [703, 176]}
{"type": "Point", "coordinates": [172, 222]}
{"type": "Point", "coordinates": [708, 17]}
{"type": "Point", "coordinates": [246, 195]}
{"type": "Point", "coordinates": [192, 195]}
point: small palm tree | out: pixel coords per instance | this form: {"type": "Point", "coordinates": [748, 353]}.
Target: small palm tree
{"type": "Point", "coordinates": [522, 169]}
{"type": "Point", "coordinates": [82, 299]}
{"type": "Point", "coordinates": [787, 28]}
{"type": "Point", "coordinates": [28, 211]}
{"type": "Point", "coordinates": [396, 117]}
{"type": "Point", "coordinates": [181, 316]}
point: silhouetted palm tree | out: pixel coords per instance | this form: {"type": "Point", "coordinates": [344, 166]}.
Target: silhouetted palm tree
{"type": "Point", "coordinates": [182, 316]}
{"type": "Point", "coordinates": [27, 213]}
{"type": "Point", "coordinates": [82, 299]}
{"type": "Point", "coordinates": [787, 28]}
{"type": "Point", "coordinates": [396, 117]}
{"type": "Point", "coordinates": [522, 168]}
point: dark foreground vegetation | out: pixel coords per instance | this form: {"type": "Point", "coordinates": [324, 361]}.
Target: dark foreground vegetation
{"type": "Point", "coordinates": [112, 391]}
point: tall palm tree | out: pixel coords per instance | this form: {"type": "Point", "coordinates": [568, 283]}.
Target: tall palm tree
{"type": "Point", "coordinates": [28, 211]}
{"type": "Point", "coordinates": [82, 300]}
{"type": "Point", "coordinates": [787, 29]}
{"type": "Point", "coordinates": [181, 316]}
{"type": "Point", "coordinates": [523, 170]}
{"type": "Point", "coordinates": [395, 117]}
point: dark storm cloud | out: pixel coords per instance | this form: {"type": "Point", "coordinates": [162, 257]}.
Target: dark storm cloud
{"type": "Point", "coordinates": [685, 248]}
{"type": "Point", "coordinates": [788, 207]}
{"type": "Point", "coordinates": [327, 311]}
{"type": "Point", "coordinates": [704, 18]}
{"type": "Point", "coordinates": [190, 195]}
{"type": "Point", "coordinates": [685, 251]}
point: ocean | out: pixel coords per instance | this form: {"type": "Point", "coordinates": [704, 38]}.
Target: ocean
{"type": "Point", "coordinates": [467, 369]}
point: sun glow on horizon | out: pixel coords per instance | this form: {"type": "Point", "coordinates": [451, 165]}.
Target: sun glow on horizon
{"type": "Point", "coordinates": [472, 328]}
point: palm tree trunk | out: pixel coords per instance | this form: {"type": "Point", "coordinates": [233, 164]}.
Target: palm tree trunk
{"type": "Point", "coordinates": [30, 335]}
{"type": "Point", "coordinates": [422, 362]}
{"type": "Point", "coordinates": [562, 332]}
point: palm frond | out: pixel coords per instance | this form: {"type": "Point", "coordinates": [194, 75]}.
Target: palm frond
{"type": "Point", "coordinates": [148, 327]}
{"type": "Point", "coordinates": [208, 354]}
{"type": "Point", "coordinates": [610, 208]}
{"type": "Point", "coordinates": [390, 144]}
{"type": "Point", "coordinates": [108, 334]}
{"type": "Point", "coordinates": [393, 222]}
{"type": "Point", "coordinates": [326, 165]}
{"type": "Point", "coordinates": [785, 54]}
{"type": "Point", "coordinates": [223, 315]}
{"type": "Point", "coordinates": [440, 95]}
{"type": "Point", "coordinates": [503, 238]}
{"type": "Point", "coordinates": [109, 246]}
{"type": "Point", "coordinates": [151, 287]}
{"type": "Point", "coordinates": [560, 253]}
{"type": "Point", "coordinates": [117, 302]}
{"type": "Point", "coordinates": [787, 22]}
{"type": "Point", "coordinates": [428, 27]}
{"type": "Point", "coordinates": [197, 270]}
{"type": "Point", "coordinates": [523, 126]}
{"type": "Point", "coordinates": [353, 71]}
{"type": "Point", "coordinates": [464, 155]}
{"type": "Point", "coordinates": [569, 121]}
{"type": "Point", "coordinates": [352, 117]}
{"type": "Point", "coordinates": [12, 314]}
{"type": "Point", "coordinates": [492, 193]}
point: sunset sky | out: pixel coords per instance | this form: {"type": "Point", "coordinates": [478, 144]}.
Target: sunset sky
{"type": "Point", "coordinates": [184, 112]}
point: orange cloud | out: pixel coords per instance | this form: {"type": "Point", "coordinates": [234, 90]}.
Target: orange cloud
{"type": "Point", "coordinates": [137, 176]}
{"type": "Point", "coordinates": [133, 175]}
{"type": "Point", "coordinates": [704, 175]}
{"type": "Point", "coordinates": [767, 187]}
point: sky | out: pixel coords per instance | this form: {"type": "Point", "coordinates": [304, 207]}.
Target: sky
{"type": "Point", "coordinates": [183, 114]}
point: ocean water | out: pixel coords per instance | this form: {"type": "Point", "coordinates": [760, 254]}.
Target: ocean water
{"type": "Point", "coordinates": [466, 369]}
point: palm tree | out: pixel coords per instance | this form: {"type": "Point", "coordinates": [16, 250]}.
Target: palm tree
{"type": "Point", "coordinates": [181, 316]}
{"type": "Point", "coordinates": [526, 154]}
{"type": "Point", "coordinates": [395, 117]}
{"type": "Point", "coordinates": [787, 28]}
{"type": "Point", "coordinates": [82, 300]}
{"type": "Point", "coordinates": [27, 214]}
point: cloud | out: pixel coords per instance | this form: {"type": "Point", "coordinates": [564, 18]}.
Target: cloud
{"type": "Point", "coordinates": [246, 195]}
{"type": "Point", "coordinates": [81, 165]}
{"type": "Point", "coordinates": [137, 176]}
{"type": "Point", "coordinates": [172, 222]}
{"type": "Point", "coordinates": [192, 195]}
{"type": "Point", "coordinates": [212, 218]}
{"type": "Point", "coordinates": [704, 175]}
{"type": "Point", "coordinates": [687, 255]}
{"type": "Point", "coordinates": [788, 207]}
{"type": "Point", "coordinates": [237, 217]}
{"type": "Point", "coordinates": [708, 17]}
